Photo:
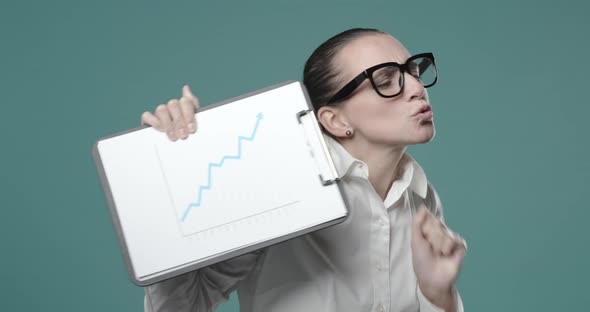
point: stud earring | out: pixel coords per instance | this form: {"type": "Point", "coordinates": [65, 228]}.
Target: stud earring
{"type": "Point", "coordinates": [348, 133]}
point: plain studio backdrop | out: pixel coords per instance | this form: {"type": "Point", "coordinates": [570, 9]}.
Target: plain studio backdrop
{"type": "Point", "coordinates": [510, 158]}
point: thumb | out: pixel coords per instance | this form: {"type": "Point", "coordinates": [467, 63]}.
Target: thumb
{"type": "Point", "coordinates": [417, 225]}
{"type": "Point", "coordinates": [422, 254]}
{"type": "Point", "coordinates": [187, 92]}
{"type": "Point", "coordinates": [420, 218]}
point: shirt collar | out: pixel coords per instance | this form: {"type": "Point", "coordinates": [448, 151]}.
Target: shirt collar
{"type": "Point", "coordinates": [343, 161]}
{"type": "Point", "coordinates": [412, 175]}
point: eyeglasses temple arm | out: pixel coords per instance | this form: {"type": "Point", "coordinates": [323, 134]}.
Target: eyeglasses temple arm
{"type": "Point", "coordinates": [423, 66]}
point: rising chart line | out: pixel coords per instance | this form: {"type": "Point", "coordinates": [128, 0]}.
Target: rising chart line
{"type": "Point", "coordinates": [238, 156]}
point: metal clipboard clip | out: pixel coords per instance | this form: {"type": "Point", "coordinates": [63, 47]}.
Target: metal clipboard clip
{"type": "Point", "coordinates": [315, 142]}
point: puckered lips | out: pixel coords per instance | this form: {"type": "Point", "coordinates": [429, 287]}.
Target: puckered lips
{"type": "Point", "coordinates": [424, 112]}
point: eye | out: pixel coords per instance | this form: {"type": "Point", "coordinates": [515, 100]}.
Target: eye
{"type": "Point", "coordinates": [387, 77]}
{"type": "Point", "coordinates": [384, 83]}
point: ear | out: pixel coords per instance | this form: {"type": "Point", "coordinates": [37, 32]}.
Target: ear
{"type": "Point", "coordinates": [333, 120]}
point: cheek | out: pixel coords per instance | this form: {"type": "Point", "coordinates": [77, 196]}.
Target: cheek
{"type": "Point", "coordinates": [388, 122]}
{"type": "Point", "coordinates": [378, 117]}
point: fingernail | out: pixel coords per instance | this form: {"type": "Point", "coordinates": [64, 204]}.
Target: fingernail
{"type": "Point", "coordinates": [171, 135]}
{"type": "Point", "coordinates": [181, 132]}
{"type": "Point", "coordinates": [191, 127]}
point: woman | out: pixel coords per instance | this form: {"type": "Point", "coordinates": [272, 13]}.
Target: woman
{"type": "Point", "coordinates": [369, 96]}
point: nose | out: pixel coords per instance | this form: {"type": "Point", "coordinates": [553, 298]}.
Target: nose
{"type": "Point", "coordinates": [413, 88]}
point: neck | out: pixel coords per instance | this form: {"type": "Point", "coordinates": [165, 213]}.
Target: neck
{"type": "Point", "coordinates": [383, 162]}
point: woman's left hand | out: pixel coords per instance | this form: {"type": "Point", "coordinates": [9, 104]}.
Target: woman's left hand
{"type": "Point", "coordinates": [437, 256]}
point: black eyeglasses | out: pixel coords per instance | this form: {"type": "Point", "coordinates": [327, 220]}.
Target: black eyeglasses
{"type": "Point", "coordinates": [388, 78]}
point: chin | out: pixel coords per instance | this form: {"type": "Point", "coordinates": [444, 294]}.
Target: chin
{"type": "Point", "coordinates": [427, 133]}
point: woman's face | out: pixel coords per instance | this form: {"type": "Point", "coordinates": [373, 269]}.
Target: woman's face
{"type": "Point", "coordinates": [382, 121]}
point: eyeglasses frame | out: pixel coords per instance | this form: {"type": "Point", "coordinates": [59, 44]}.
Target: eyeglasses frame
{"type": "Point", "coordinates": [368, 73]}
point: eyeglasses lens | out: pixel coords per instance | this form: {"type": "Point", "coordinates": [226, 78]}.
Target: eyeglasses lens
{"type": "Point", "coordinates": [423, 70]}
{"type": "Point", "coordinates": [388, 79]}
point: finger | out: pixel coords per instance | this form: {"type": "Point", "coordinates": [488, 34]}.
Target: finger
{"type": "Point", "coordinates": [188, 93]}
{"type": "Point", "coordinates": [429, 226]}
{"type": "Point", "coordinates": [178, 123]}
{"type": "Point", "coordinates": [420, 218]}
{"type": "Point", "coordinates": [165, 121]}
{"type": "Point", "coordinates": [188, 113]}
{"type": "Point", "coordinates": [434, 233]}
{"type": "Point", "coordinates": [462, 242]}
{"type": "Point", "coordinates": [448, 245]}
{"type": "Point", "coordinates": [418, 239]}
{"type": "Point", "coordinates": [149, 119]}
{"type": "Point", "coordinates": [459, 252]}
{"type": "Point", "coordinates": [451, 241]}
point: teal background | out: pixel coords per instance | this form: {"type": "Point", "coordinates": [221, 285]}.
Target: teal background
{"type": "Point", "coordinates": [510, 159]}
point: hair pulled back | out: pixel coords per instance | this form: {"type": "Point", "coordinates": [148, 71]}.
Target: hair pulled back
{"type": "Point", "coordinates": [320, 73]}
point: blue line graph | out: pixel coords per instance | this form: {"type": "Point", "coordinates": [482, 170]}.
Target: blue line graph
{"type": "Point", "coordinates": [238, 156]}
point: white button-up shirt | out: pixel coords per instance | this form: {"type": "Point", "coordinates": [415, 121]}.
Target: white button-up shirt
{"type": "Point", "coordinates": [361, 264]}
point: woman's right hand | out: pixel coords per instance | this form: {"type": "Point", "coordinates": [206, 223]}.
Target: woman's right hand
{"type": "Point", "coordinates": [176, 118]}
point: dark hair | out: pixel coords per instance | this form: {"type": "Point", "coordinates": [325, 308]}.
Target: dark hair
{"type": "Point", "coordinates": [320, 72]}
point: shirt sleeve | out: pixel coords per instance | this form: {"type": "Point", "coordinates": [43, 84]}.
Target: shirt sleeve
{"type": "Point", "coordinates": [427, 306]}
{"type": "Point", "coordinates": [200, 290]}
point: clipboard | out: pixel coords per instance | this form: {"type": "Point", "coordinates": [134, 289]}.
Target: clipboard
{"type": "Point", "coordinates": [257, 172]}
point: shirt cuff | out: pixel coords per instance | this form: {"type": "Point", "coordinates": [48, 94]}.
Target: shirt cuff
{"type": "Point", "coordinates": [427, 306]}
